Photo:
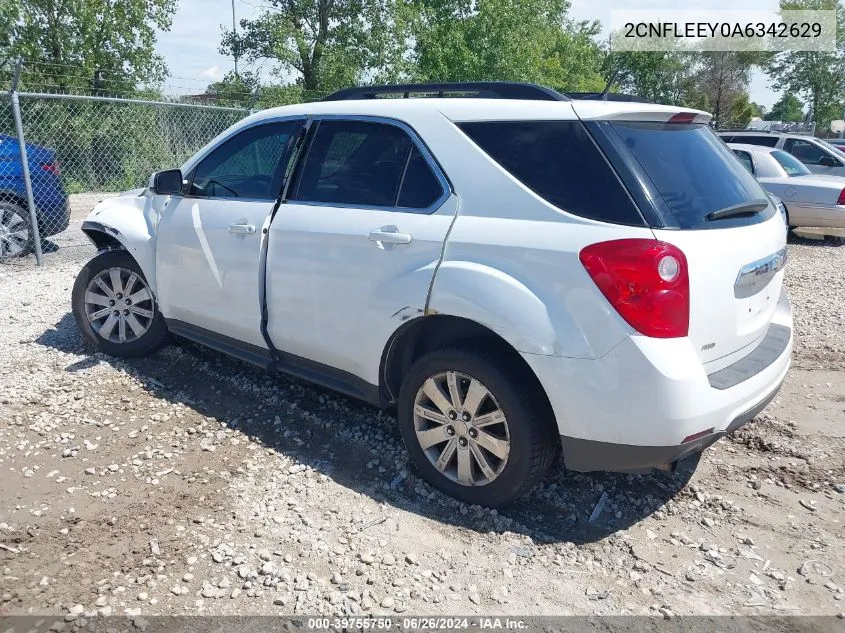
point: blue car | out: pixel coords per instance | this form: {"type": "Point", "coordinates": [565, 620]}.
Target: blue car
{"type": "Point", "coordinates": [51, 201]}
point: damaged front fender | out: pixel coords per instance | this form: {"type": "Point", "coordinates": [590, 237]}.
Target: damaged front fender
{"type": "Point", "coordinates": [129, 221]}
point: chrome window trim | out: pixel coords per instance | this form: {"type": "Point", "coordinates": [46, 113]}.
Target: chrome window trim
{"type": "Point", "coordinates": [431, 161]}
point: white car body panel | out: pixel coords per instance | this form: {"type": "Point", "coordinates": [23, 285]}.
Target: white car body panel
{"type": "Point", "coordinates": [678, 389]}
{"type": "Point", "coordinates": [493, 252]}
{"type": "Point", "coordinates": [333, 295]}
{"type": "Point", "coordinates": [208, 276]}
{"type": "Point", "coordinates": [132, 219]}
{"type": "Point", "coordinates": [525, 283]}
{"type": "Point", "coordinates": [721, 323]}
{"type": "Point", "coordinates": [588, 110]}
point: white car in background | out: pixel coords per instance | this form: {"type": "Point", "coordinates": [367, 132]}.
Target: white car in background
{"type": "Point", "coordinates": [516, 273]}
{"type": "Point", "coordinates": [810, 199]}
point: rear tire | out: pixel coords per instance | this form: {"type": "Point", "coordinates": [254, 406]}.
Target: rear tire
{"type": "Point", "coordinates": [16, 238]}
{"type": "Point", "coordinates": [494, 463]}
{"type": "Point", "coordinates": [114, 307]}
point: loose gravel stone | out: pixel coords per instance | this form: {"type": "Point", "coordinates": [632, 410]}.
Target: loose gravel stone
{"type": "Point", "coordinates": [187, 482]}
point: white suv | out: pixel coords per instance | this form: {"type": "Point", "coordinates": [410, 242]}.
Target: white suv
{"type": "Point", "coordinates": [516, 273]}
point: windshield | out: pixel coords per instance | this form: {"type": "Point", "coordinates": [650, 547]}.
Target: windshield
{"type": "Point", "coordinates": [791, 165]}
{"type": "Point", "coordinates": [693, 171]}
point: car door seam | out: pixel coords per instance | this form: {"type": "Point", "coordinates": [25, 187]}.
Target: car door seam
{"type": "Point", "coordinates": [426, 309]}
{"type": "Point", "coordinates": [295, 156]}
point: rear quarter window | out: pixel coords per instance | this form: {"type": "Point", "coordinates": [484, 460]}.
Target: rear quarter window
{"type": "Point", "coordinates": [558, 161]}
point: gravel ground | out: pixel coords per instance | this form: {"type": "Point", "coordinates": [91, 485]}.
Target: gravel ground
{"type": "Point", "coordinates": [190, 483]}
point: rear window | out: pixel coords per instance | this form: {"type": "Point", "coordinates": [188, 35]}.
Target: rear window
{"type": "Point", "coordinates": [791, 165]}
{"type": "Point", "coordinates": [559, 162]}
{"type": "Point", "coordinates": [692, 170]}
{"type": "Point", "coordinates": [767, 141]}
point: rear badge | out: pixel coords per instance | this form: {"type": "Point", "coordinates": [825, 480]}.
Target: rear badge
{"type": "Point", "coordinates": [747, 283]}
{"type": "Point", "coordinates": [709, 346]}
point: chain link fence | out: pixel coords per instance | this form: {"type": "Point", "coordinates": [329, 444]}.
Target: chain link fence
{"type": "Point", "coordinates": [81, 149]}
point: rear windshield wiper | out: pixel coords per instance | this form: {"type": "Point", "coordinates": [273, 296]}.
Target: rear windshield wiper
{"type": "Point", "coordinates": [743, 208]}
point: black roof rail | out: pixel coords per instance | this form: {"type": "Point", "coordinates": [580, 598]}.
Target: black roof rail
{"type": "Point", "coordinates": [476, 89]}
{"type": "Point", "coordinates": [601, 96]}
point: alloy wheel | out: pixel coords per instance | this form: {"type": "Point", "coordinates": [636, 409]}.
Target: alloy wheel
{"type": "Point", "coordinates": [14, 234]}
{"type": "Point", "coordinates": [461, 428]}
{"type": "Point", "coordinates": [119, 305]}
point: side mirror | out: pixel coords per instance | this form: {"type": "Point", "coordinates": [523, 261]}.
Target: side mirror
{"type": "Point", "coordinates": [828, 161]}
{"type": "Point", "coordinates": [166, 183]}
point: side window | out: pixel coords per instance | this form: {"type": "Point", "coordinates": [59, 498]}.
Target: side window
{"type": "Point", "coordinates": [420, 187]}
{"type": "Point", "coordinates": [559, 162]}
{"type": "Point", "coordinates": [805, 151]}
{"type": "Point", "coordinates": [245, 166]}
{"type": "Point", "coordinates": [367, 164]}
{"type": "Point", "coordinates": [745, 159]}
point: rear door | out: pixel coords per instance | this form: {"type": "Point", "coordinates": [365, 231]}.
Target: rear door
{"type": "Point", "coordinates": [734, 263]}
{"type": "Point", "coordinates": [353, 248]}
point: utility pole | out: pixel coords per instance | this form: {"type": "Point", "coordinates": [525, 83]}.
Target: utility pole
{"type": "Point", "coordinates": [235, 34]}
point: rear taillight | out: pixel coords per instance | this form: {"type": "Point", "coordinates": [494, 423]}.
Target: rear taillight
{"type": "Point", "coordinates": [51, 167]}
{"type": "Point", "coordinates": [646, 281]}
{"type": "Point", "coordinates": [841, 197]}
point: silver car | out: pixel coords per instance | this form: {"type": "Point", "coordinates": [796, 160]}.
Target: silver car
{"type": "Point", "coordinates": [819, 156]}
{"type": "Point", "coordinates": [810, 199]}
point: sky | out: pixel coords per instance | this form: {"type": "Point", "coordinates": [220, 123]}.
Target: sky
{"type": "Point", "coordinates": [190, 47]}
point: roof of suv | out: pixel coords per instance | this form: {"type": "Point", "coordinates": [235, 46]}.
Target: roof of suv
{"type": "Point", "coordinates": [474, 109]}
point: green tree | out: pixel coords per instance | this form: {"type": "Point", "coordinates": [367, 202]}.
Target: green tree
{"type": "Point", "coordinates": [658, 76]}
{"type": "Point", "coordinates": [326, 44]}
{"type": "Point", "coordinates": [817, 76]}
{"type": "Point", "coordinates": [787, 108]}
{"type": "Point", "coordinates": [235, 90]}
{"type": "Point", "coordinates": [516, 40]}
{"type": "Point", "coordinates": [740, 112]}
{"type": "Point", "coordinates": [723, 77]}
{"type": "Point", "coordinates": [759, 110]}
{"type": "Point", "coordinates": [103, 45]}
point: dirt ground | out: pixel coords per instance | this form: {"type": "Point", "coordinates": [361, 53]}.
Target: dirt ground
{"type": "Point", "coordinates": [190, 483]}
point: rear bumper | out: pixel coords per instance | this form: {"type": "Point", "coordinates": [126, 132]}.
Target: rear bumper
{"type": "Point", "coordinates": [588, 455]}
{"type": "Point", "coordinates": [636, 407]}
{"type": "Point", "coordinates": [53, 215]}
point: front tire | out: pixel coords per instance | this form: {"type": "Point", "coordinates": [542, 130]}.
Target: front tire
{"type": "Point", "coordinates": [475, 427]}
{"type": "Point", "coordinates": [114, 307]}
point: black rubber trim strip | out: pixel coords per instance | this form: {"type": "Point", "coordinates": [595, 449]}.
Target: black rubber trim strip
{"type": "Point", "coordinates": [243, 351]}
{"type": "Point", "coordinates": [323, 375]}
{"type": "Point", "coordinates": [590, 455]}
{"type": "Point", "coordinates": [90, 225]}
{"type": "Point", "coordinates": [767, 352]}
{"type": "Point", "coordinates": [482, 89]}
